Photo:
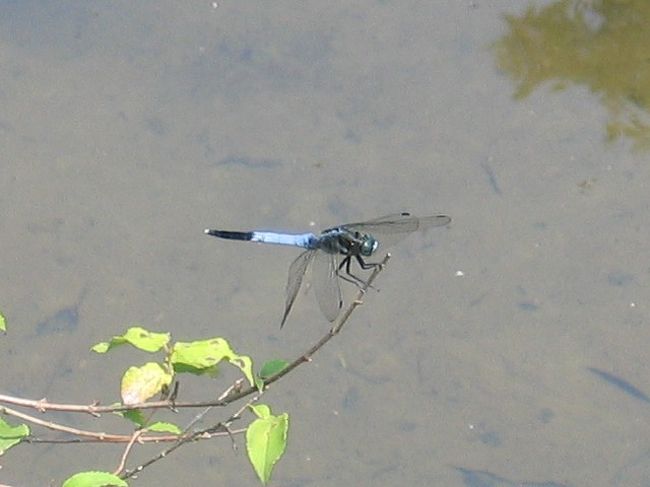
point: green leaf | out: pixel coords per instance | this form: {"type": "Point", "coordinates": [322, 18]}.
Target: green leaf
{"type": "Point", "coordinates": [272, 367]}
{"type": "Point", "coordinates": [259, 383]}
{"type": "Point", "coordinates": [202, 356]}
{"type": "Point", "coordinates": [138, 337]}
{"type": "Point", "coordinates": [266, 440]}
{"type": "Point", "coordinates": [245, 364]}
{"type": "Point", "coordinates": [3, 323]}
{"type": "Point", "coordinates": [262, 411]}
{"type": "Point", "coordinates": [11, 435]}
{"type": "Point", "coordinates": [101, 347]}
{"type": "Point", "coordinates": [164, 427]}
{"type": "Point", "coordinates": [137, 417]}
{"type": "Point", "coordinates": [141, 383]}
{"type": "Point", "coordinates": [94, 479]}
{"type": "Point", "coordinates": [134, 415]}
{"type": "Point", "coordinates": [181, 368]}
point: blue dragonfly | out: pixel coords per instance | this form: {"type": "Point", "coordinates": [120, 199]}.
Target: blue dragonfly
{"type": "Point", "coordinates": [333, 251]}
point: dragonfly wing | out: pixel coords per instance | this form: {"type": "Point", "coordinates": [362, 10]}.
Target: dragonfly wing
{"type": "Point", "coordinates": [390, 229]}
{"type": "Point", "coordinates": [326, 284]}
{"type": "Point", "coordinates": [398, 223]}
{"type": "Point", "coordinates": [296, 274]}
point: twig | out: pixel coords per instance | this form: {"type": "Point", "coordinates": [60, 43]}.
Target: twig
{"type": "Point", "coordinates": [95, 409]}
{"type": "Point", "coordinates": [228, 398]}
{"type": "Point", "coordinates": [230, 395]}
{"type": "Point", "coordinates": [129, 446]}
{"type": "Point", "coordinates": [206, 433]}
{"type": "Point", "coordinates": [306, 357]}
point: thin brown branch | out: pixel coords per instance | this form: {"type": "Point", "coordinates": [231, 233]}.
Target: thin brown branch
{"type": "Point", "coordinates": [232, 394]}
{"type": "Point", "coordinates": [88, 435]}
{"type": "Point", "coordinates": [306, 356]}
{"type": "Point", "coordinates": [219, 429]}
{"type": "Point", "coordinates": [227, 399]}
{"type": "Point", "coordinates": [120, 468]}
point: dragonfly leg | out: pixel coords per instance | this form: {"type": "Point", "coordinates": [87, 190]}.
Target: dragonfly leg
{"type": "Point", "coordinates": [349, 277]}
{"type": "Point", "coordinates": [352, 278]}
{"type": "Point", "coordinates": [367, 265]}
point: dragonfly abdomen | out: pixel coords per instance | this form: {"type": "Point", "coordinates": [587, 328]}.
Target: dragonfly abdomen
{"type": "Point", "coordinates": [230, 235]}
{"type": "Point", "coordinates": [304, 240]}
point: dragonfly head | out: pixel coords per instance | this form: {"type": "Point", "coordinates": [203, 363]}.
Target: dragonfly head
{"type": "Point", "coordinates": [368, 246]}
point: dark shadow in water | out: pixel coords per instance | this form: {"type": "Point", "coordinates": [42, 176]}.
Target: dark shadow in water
{"type": "Point", "coordinates": [621, 384]}
{"type": "Point", "coordinates": [65, 320]}
{"type": "Point", "coordinates": [249, 162]}
{"type": "Point", "coordinates": [481, 478]}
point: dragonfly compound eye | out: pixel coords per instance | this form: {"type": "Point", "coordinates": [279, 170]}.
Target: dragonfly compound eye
{"type": "Point", "coordinates": [368, 246]}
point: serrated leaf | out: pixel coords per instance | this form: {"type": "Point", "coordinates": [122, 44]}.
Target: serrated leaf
{"type": "Point", "coordinates": [266, 440]}
{"type": "Point", "coordinates": [94, 479]}
{"type": "Point", "coordinates": [141, 383]}
{"type": "Point", "coordinates": [202, 355]}
{"type": "Point", "coordinates": [138, 337]}
{"type": "Point", "coordinates": [11, 435]}
{"type": "Point", "coordinates": [3, 323]}
{"type": "Point", "coordinates": [272, 367]}
{"type": "Point", "coordinates": [164, 427]}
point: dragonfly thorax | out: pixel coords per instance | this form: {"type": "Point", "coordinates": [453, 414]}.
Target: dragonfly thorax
{"type": "Point", "coordinates": [356, 243]}
{"type": "Point", "coordinates": [346, 242]}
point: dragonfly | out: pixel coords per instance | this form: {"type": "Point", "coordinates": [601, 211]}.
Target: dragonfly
{"type": "Point", "coordinates": [332, 253]}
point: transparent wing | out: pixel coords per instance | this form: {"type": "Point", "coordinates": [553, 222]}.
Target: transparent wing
{"type": "Point", "coordinates": [296, 274]}
{"type": "Point", "coordinates": [390, 229]}
{"type": "Point", "coordinates": [326, 284]}
{"type": "Point", "coordinates": [398, 223]}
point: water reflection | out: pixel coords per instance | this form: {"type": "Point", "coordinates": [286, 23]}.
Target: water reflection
{"type": "Point", "coordinates": [602, 45]}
